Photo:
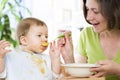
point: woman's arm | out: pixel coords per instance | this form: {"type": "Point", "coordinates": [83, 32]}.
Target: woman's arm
{"type": "Point", "coordinates": [80, 59]}
{"type": "Point", "coordinates": [66, 47]}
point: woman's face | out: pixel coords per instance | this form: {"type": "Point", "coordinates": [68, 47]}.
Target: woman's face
{"type": "Point", "coordinates": [95, 17]}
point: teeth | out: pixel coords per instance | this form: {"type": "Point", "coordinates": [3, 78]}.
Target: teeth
{"type": "Point", "coordinates": [45, 44]}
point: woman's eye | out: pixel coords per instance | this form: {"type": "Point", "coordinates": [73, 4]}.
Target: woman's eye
{"type": "Point", "coordinates": [96, 12]}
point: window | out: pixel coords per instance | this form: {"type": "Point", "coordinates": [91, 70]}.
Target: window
{"type": "Point", "coordinates": [59, 14]}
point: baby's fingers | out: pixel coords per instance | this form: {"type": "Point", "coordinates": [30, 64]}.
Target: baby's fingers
{"type": "Point", "coordinates": [4, 44]}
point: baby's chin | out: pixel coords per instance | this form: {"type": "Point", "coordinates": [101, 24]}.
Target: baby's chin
{"type": "Point", "coordinates": [40, 51]}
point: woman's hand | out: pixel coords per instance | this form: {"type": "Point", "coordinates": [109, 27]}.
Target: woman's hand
{"type": "Point", "coordinates": [106, 67]}
{"type": "Point", "coordinates": [66, 47]}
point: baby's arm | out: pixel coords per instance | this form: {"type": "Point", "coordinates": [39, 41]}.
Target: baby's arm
{"type": "Point", "coordinates": [3, 51]}
{"type": "Point", "coordinates": [55, 59]}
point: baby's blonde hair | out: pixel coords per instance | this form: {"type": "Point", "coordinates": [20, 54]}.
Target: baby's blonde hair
{"type": "Point", "coordinates": [25, 24]}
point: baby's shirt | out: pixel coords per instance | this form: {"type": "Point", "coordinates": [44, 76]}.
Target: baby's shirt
{"type": "Point", "coordinates": [22, 65]}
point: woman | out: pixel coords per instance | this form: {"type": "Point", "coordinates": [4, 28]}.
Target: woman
{"type": "Point", "coordinates": [99, 42]}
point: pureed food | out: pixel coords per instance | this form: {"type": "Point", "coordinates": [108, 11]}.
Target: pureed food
{"type": "Point", "coordinates": [45, 44]}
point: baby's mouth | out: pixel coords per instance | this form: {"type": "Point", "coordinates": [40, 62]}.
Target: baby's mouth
{"type": "Point", "coordinates": [45, 44]}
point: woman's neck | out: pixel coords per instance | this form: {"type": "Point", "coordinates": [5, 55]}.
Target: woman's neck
{"type": "Point", "coordinates": [110, 34]}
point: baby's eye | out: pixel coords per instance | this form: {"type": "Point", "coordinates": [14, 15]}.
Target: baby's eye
{"type": "Point", "coordinates": [46, 36]}
{"type": "Point", "coordinates": [39, 35]}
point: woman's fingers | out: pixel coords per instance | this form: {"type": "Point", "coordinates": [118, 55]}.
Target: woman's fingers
{"type": "Point", "coordinates": [106, 67]}
{"type": "Point", "coordinates": [99, 74]}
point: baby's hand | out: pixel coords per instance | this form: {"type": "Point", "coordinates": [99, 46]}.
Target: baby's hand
{"type": "Point", "coordinates": [3, 48]}
{"type": "Point", "coordinates": [55, 57]}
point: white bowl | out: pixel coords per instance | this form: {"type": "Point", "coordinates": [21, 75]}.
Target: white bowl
{"type": "Point", "coordinates": [78, 70]}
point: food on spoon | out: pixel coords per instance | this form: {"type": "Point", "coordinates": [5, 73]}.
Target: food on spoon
{"type": "Point", "coordinates": [45, 44]}
{"type": "Point", "coordinates": [62, 35]}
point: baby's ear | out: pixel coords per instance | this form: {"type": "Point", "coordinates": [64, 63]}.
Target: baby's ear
{"type": "Point", "coordinates": [23, 40]}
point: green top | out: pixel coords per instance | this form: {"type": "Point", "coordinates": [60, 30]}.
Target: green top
{"type": "Point", "coordinates": [89, 46]}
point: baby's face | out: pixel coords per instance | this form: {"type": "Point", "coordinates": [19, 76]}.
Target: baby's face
{"type": "Point", "coordinates": [35, 38]}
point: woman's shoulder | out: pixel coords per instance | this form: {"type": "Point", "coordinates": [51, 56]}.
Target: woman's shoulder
{"type": "Point", "coordinates": [88, 33]}
{"type": "Point", "coordinates": [88, 29]}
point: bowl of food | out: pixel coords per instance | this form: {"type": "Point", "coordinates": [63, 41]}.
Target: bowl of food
{"type": "Point", "coordinates": [78, 69]}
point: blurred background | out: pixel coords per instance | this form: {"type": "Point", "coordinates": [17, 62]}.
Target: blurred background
{"type": "Point", "coordinates": [57, 14]}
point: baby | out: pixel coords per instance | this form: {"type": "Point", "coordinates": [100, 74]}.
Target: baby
{"type": "Point", "coordinates": [29, 62]}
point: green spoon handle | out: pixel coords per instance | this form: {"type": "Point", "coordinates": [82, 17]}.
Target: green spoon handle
{"type": "Point", "coordinates": [62, 35]}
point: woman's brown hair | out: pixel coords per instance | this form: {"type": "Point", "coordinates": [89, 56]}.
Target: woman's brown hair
{"type": "Point", "coordinates": [110, 9]}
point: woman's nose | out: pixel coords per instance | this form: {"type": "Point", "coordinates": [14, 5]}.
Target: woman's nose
{"type": "Point", "coordinates": [90, 16]}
